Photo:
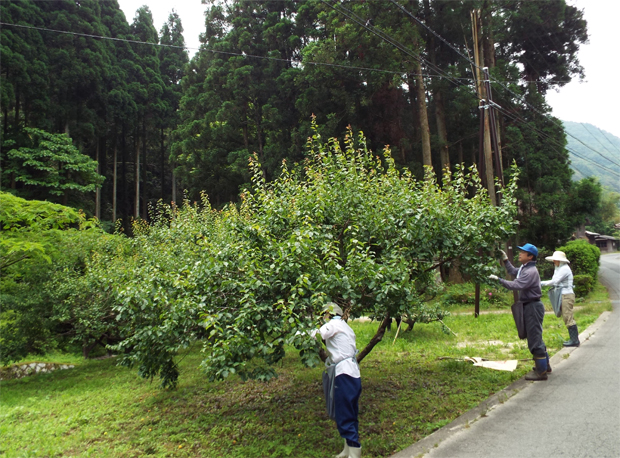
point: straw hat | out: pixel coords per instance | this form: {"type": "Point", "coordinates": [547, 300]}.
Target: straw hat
{"type": "Point", "coordinates": [558, 256]}
{"type": "Point", "coordinates": [332, 308]}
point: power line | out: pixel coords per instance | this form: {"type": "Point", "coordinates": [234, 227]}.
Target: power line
{"type": "Point", "coordinates": [388, 39]}
{"type": "Point", "coordinates": [553, 140]}
{"type": "Point", "coordinates": [384, 36]}
{"type": "Point", "coordinates": [596, 138]}
{"type": "Point", "coordinates": [228, 53]}
{"type": "Point", "coordinates": [494, 80]}
{"type": "Point", "coordinates": [605, 135]}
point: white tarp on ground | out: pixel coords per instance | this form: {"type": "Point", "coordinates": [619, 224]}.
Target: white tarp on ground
{"type": "Point", "coordinates": [505, 365]}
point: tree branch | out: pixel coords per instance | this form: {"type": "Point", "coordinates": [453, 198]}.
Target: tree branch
{"type": "Point", "coordinates": [376, 338]}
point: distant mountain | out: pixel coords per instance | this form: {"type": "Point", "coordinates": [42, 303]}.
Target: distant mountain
{"type": "Point", "coordinates": [607, 148]}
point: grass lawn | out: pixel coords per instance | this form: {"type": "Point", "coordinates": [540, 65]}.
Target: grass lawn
{"type": "Point", "coordinates": [101, 410]}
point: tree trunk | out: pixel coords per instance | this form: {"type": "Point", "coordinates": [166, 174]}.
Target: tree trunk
{"type": "Point", "coordinates": [16, 123]}
{"type": "Point", "coordinates": [125, 191]}
{"type": "Point", "coordinates": [114, 177]}
{"type": "Point", "coordinates": [136, 210]}
{"type": "Point", "coordinates": [415, 114]}
{"type": "Point", "coordinates": [440, 116]}
{"type": "Point", "coordinates": [376, 338]}
{"type": "Point", "coordinates": [98, 189]}
{"type": "Point", "coordinates": [454, 273]}
{"type": "Point", "coordinates": [162, 174]}
{"type": "Point", "coordinates": [5, 126]}
{"type": "Point", "coordinates": [424, 128]}
{"type": "Point", "coordinates": [174, 185]}
{"type": "Point", "coordinates": [144, 166]}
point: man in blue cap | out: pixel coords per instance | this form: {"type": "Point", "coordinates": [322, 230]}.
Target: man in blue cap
{"type": "Point", "coordinates": [527, 282]}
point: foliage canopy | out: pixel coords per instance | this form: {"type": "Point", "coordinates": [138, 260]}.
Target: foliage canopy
{"type": "Point", "coordinates": [343, 225]}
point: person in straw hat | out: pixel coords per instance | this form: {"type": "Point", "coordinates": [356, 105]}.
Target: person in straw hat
{"type": "Point", "coordinates": [345, 381]}
{"type": "Point", "coordinates": [563, 277]}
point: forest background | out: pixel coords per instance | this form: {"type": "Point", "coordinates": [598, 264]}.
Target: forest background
{"type": "Point", "coordinates": [111, 127]}
{"type": "Point", "coordinates": [145, 114]}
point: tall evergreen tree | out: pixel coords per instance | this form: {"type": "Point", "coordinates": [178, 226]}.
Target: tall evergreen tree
{"type": "Point", "coordinates": [147, 89]}
{"type": "Point", "coordinates": [172, 62]}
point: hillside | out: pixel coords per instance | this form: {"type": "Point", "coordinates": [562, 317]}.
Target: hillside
{"type": "Point", "coordinates": [605, 143]}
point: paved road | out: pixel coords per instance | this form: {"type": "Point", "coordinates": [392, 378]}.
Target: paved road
{"type": "Point", "coordinates": [575, 414]}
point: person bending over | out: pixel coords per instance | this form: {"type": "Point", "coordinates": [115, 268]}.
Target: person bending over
{"type": "Point", "coordinates": [340, 342]}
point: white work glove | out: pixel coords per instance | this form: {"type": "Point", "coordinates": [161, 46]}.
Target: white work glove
{"type": "Point", "coordinates": [313, 333]}
{"type": "Point", "coordinates": [493, 277]}
{"type": "Point", "coordinates": [504, 255]}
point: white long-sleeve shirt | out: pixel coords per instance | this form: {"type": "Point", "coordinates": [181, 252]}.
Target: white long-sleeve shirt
{"type": "Point", "coordinates": [340, 342]}
{"type": "Point", "coordinates": [562, 276]}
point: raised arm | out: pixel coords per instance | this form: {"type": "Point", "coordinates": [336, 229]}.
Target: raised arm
{"type": "Point", "coordinates": [525, 280]}
{"type": "Point", "coordinates": [559, 275]}
{"type": "Point", "coordinates": [512, 270]}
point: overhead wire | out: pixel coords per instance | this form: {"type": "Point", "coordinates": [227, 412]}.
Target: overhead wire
{"type": "Point", "coordinates": [215, 51]}
{"type": "Point", "coordinates": [384, 36]}
{"type": "Point", "coordinates": [491, 78]}
{"type": "Point", "coordinates": [361, 22]}
{"type": "Point", "coordinates": [387, 38]}
{"type": "Point", "coordinates": [521, 98]}
{"type": "Point", "coordinates": [230, 53]}
{"type": "Point", "coordinates": [549, 138]}
{"type": "Point", "coordinates": [596, 138]}
{"type": "Point", "coordinates": [610, 142]}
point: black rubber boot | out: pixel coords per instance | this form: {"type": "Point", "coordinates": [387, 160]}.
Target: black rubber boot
{"type": "Point", "coordinates": [548, 365]}
{"type": "Point", "coordinates": [540, 370]}
{"type": "Point", "coordinates": [573, 333]}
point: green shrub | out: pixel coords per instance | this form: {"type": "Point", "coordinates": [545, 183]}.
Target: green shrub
{"type": "Point", "coordinates": [545, 268]}
{"type": "Point", "coordinates": [40, 244]}
{"type": "Point", "coordinates": [459, 294]}
{"type": "Point", "coordinates": [582, 285]}
{"type": "Point", "coordinates": [584, 258]}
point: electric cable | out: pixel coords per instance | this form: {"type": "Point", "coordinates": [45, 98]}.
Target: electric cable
{"type": "Point", "coordinates": [228, 53]}
{"type": "Point", "coordinates": [388, 39]}
{"type": "Point", "coordinates": [593, 136]}
{"type": "Point", "coordinates": [610, 142]}
{"type": "Point", "coordinates": [491, 78]}
{"type": "Point", "coordinates": [383, 36]}
{"type": "Point", "coordinates": [547, 137]}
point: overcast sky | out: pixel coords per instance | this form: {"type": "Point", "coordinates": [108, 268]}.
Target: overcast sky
{"type": "Point", "coordinates": [596, 100]}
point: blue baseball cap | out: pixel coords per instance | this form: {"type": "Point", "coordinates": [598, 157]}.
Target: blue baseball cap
{"type": "Point", "coordinates": [531, 249]}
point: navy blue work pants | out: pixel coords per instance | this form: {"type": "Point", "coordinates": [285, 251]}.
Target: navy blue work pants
{"type": "Point", "coordinates": [533, 315]}
{"type": "Point", "coordinates": [347, 391]}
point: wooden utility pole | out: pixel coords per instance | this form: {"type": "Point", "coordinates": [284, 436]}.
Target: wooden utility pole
{"type": "Point", "coordinates": [486, 163]}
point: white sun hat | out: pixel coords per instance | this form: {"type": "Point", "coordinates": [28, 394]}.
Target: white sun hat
{"type": "Point", "coordinates": [558, 256]}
